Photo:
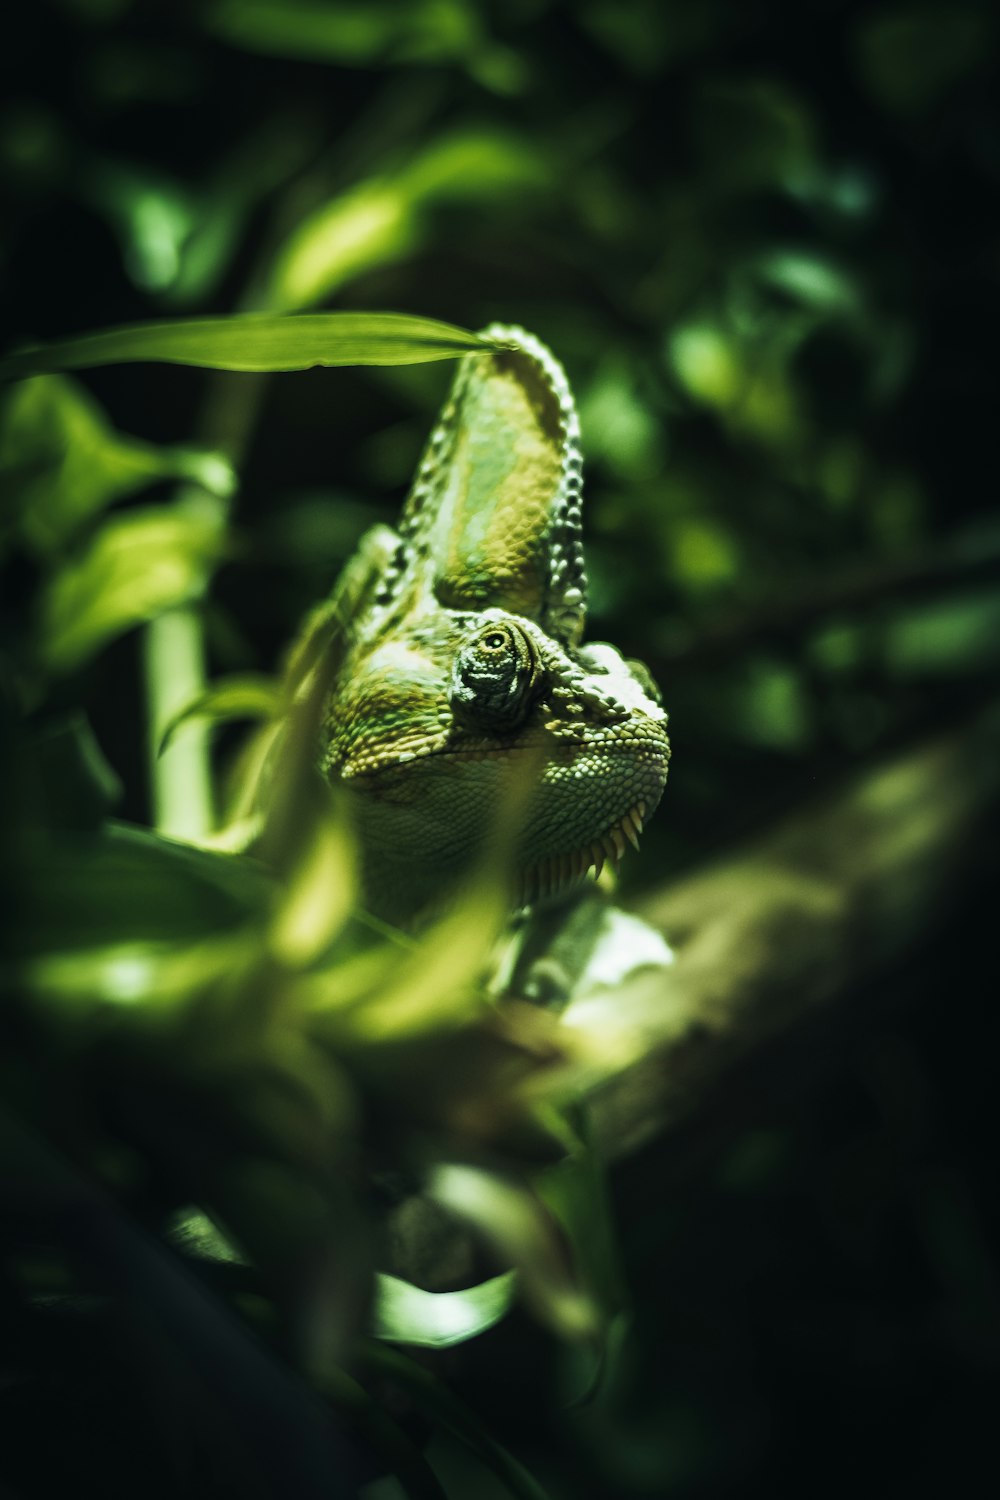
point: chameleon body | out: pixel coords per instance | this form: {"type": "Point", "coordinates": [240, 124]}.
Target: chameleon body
{"type": "Point", "coordinates": [466, 686]}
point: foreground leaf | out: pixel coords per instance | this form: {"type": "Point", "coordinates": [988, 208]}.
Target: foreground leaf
{"type": "Point", "coordinates": [520, 1229]}
{"type": "Point", "coordinates": [61, 462]}
{"type": "Point", "coordinates": [247, 695]}
{"type": "Point", "coordinates": [255, 342]}
{"type": "Point", "coordinates": [137, 566]}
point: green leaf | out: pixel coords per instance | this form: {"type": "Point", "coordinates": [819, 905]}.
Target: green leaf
{"type": "Point", "coordinates": [137, 566]}
{"type": "Point", "coordinates": [255, 341]}
{"type": "Point", "coordinates": [406, 1314]}
{"type": "Point", "coordinates": [194, 1233]}
{"type": "Point", "coordinates": [372, 225]}
{"type": "Point", "coordinates": [521, 1230]}
{"type": "Point", "coordinates": [378, 221]}
{"type": "Point", "coordinates": [61, 462]}
{"type": "Point", "coordinates": [126, 885]}
{"type": "Point", "coordinates": [78, 786]}
{"type": "Point", "coordinates": [352, 32]}
{"type": "Point", "coordinates": [946, 637]}
{"type": "Point", "coordinates": [248, 695]}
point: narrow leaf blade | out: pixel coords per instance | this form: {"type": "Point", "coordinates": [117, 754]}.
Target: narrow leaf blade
{"type": "Point", "coordinates": [255, 342]}
{"type": "Point", "coordinates": [247, 695]}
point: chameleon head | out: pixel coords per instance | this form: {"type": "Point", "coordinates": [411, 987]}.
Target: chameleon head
{"type": "Point", "coordinates": [467, 711]}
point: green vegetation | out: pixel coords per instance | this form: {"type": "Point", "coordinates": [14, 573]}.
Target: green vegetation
{"type": "Point", "coordinates": [232, 1112]}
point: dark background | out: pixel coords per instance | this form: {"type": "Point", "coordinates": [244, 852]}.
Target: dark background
{"type": "Point", "coordinates": [762, 240]}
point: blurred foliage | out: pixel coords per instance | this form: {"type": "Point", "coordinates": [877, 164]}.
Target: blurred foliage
{"type": "Point", "coordinates": [758, 240]}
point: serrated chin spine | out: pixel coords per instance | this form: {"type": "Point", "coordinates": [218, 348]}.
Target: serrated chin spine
{"type": "Point", "coordinates": [558, 872]}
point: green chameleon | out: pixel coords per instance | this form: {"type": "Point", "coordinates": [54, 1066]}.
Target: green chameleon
{"type": "Point", "coordinates": [466, 690]}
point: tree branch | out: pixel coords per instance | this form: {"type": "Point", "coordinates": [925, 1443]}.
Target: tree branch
{"type": "Point", "coordinates": [766, 936]}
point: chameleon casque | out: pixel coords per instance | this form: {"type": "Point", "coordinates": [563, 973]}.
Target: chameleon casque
{"type": "Point", "coordinates": [465, 677]}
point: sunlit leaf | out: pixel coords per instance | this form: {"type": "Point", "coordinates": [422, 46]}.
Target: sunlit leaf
{"type": "Point", "coordinates": [370, 226]}
{"type": "Point", "coordinates": [377, 222]}
{"type": "Point", "coordinates": [771, 706]}
{"type": "Point", "coordinates": [319, 895]}
{"type": "Point", "coordinates": [129, 976]}
{"type": "Point", "coordinates": [406, 1314]}
{"type": "Point", "coordinates": [61, 462]}
{"type": "Point", "coordinates": [194, 1233]}
{"type": "Point", "coordinates": [704, 555]}
{"type": "Point", "coordinates": [523, 1232]}
{"type": "Point", "coordinates": [138, 565]}
{"type": "Point", "coordinates": [706, 363]}
{"type": "Point", "coordinates": [947, 636]}
{"type": "Point", "coordinates": [620, 427]}
{"type": "Point", "coordinates": [810, 279]}
{"type": "Point", "coordinates": [435, 989]}
{"type": "Point", "coordinates": [248, 696]}
{"type": "Point", "coordinates": [469, 166]}
{"type": "Point", "coordinates": [255, 341]}
{"type": "Point", "coordinates": [152, 216]}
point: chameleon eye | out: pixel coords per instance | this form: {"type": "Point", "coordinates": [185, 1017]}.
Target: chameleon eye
{"type": "Point", "coordinates": [493, 677]}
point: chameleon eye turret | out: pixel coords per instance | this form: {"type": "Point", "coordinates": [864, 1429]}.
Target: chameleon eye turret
{"type": "Point", "coordinates": [465, 670]}
{"type": "Point", "coordinates": [494, 676]}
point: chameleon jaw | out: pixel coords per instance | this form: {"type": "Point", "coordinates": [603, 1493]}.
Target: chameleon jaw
{"type": "Point", "coordinates": [560, 872]}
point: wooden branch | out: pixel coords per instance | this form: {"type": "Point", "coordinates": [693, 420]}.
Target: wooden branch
{"type": "Point", "coordinates": [764, 940]}
{"type": "Point", "coordinates": [769, 934]}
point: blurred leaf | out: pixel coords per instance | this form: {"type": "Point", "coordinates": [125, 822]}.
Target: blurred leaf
{"type": "Point", "coordinates": [951, 636]}
{"type": "Point", "coordinates": [909, 56]}
{"type": "Point", "coordinates": [193, 1232]}
{"type": "Point", "coordinates": [262, 161]}
{"type": "Point", "coordinates": [576, 1190]}
{"type": "Point", "coordinates": [476, 166]}
{"type": "Point", "coordinates": [435, 990]}
{"type": "Point", "coordinates": [377, 222]}
{"type": "Point", "coordinates": [77, 784]}
{"type": "Point", "coordinates": [811, 280]}
{"type": "Point", "coordinates": [771, 708]}
{"type": "Point", "coordinates": [126, 886]}
{"type": "Point", "coordinates": [137, 566]}
{"type": "Point", "coordinates": [255, 341]}
{"type": "Point", "coordinates": [406, 1314]}
{"type": "Point", "coordinates": [152, 216]}
{"type": "Point", "coordinates": [647, 36]}
{"type": "Point", "coordinates": [352, 32]}
{"type": "Point", "coordinates": [149, 977]}
{"type": "Point", "coordinates": [248, 696]}
{"type": "Point", "coordinates": [320, 893]}
{"type": "Point", "coordinates": [620, 427]}
{"type": "Point", "coordinates": [61, 463]}
{"type": "Point", "coordinates": [521, 1230]}
{"type": "Point", "coordinates": [704, 555]}
{"type": "Point", "coordinates": [706, 363]}
{"type": "Point", "coordinates": [372, 225]}
{"type": "Point", "coordinates": [753, 134]}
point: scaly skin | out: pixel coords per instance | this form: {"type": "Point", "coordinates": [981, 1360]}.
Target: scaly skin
{"type": "Point", "coordinates": [465, 687]}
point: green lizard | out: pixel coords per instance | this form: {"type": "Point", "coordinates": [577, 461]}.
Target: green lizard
{"type": "Point", "coordinates": [466, 680]}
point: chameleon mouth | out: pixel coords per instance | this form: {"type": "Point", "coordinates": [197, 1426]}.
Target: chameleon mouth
{"type": "Point", "coordinates": [557, 872]}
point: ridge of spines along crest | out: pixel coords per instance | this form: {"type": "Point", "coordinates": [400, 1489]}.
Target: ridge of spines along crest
{"type": "Point", "coordinates": [566, 585]}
